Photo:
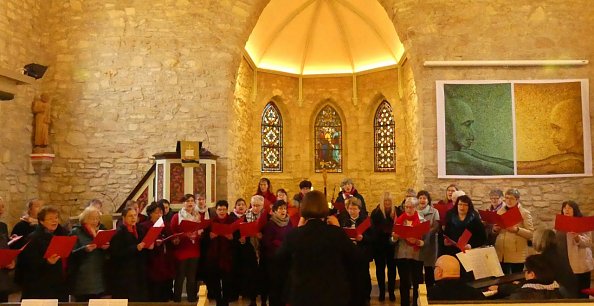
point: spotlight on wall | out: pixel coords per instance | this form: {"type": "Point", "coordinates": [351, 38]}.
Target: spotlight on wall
{"type": "Point", "coordinates": [35, 70]}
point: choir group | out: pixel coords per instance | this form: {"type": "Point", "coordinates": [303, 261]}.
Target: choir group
{"type": "Point", "coordinates": [244, 252]}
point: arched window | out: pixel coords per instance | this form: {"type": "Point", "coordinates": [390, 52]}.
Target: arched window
{"type": "Point", "coordinates": [272, 139]}
{"type": "Point", "coordinates": [328, 140]}
{"type": "Point", "coordinates": [385, 145]}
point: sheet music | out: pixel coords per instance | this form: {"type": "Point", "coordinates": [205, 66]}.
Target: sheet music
{"type": "Point", "coordinates": [38, 302]}
{"type": "Point", "coordinates": [483, 262]}
{"type": "Point", "coordinates": [108, 302]}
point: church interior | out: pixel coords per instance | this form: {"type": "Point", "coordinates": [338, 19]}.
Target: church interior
{"type": "Point", "coordinates": [287, 90]}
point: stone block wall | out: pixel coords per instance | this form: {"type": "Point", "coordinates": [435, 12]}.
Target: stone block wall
{"type": "Point", "coordinates": [358, 137]}
{"type": "Point", "coordinates": [128, 79]}
{"type": "Point", "coordinates": [21, 25]}
{"type": "Point", "coordinates": [494, 30]}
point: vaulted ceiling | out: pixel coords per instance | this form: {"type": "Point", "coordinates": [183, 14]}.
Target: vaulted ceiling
{"type": "Point", "coordinates": [306, 37]}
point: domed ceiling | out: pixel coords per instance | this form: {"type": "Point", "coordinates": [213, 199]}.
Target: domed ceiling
{"type": "Point", "coordinates": [306, 37]}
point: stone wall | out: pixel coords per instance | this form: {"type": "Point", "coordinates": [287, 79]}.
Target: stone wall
{"type": "Point", "coordinates": [21, 25]}
{"type": "Point", "coordinates": [357, 119]}
{"type": "Point", "coordinates": [494, 30]}
{"type": "Point", "coordinates": [129, 78]}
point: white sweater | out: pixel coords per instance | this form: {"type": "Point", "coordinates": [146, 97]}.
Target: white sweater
{"type": "Point", "coordinates": [579, 253]}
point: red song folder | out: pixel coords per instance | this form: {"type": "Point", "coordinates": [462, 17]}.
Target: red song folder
{"type": "Point", "coordinates": [61, 245]}
{"type": "Point", "coordinates": [103, 237]}
{"type": "Point", "coordinates": [359, 230]}
{"type": "Point", "coordinates": [412, 231]}
{"type": "Point", "coordinates": [462, 241]}
{"type": "Point", "coordinates": [510, 218]}
{"type": "Point", "coordinates": [262, 219]}
{"type": "Point", "coordinates": [187, 226]}
{"type": "Point", "coordinates": [351, 232]}
{"type": "Point", "coordinates": [443, 210]}
{"type": "Point", "coordinates": [574, 224]}
{"type": "Point", "coordinates": [7, 256]}
{"type": "Point", "coordinates": [339, 206]}
{"type": "Point", "coordinates": [152, 235]}
{"type": "Point", "coordinates": [249, 229]}
{"type": "Point", "coordinates": [223, 229]}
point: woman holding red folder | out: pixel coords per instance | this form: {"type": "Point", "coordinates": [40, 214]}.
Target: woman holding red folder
{"type": "Point", "coordinates": [245, 262]}
{"type": "Point", "coordinates": [362, 281]}
{"type": "Point", "coordinates": [511, 243]}
{"type": "Point", "coordinates": [43, 278]}
{"type": "Point", "coordinates": [186, 251]}
{"type": "Point", "coordinates": [219, 259]}
{"type": "Point", "coordinates": [128, 260]}
{"type": "Point", "coordinates": [407, 254]}
{"type": "Point", "coordinates": [160, 261]}
{"type": "Point", "coordinates": [578, 249]}
{"type": "Point", "coordinates": [463, 217]}
{"type": "Point", "coordinates": [86, 264]}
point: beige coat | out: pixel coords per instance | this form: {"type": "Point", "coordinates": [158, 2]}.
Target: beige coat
{"type": "Point", "coordinates": [512, 247]}
{"type": "Point", "coordinates": [579, 253]}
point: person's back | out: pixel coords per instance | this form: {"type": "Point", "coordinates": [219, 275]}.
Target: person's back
{"type": "Point", "coordinates": [453, 289]}
{"type": "Point", "coordinates": [448, 285]}
{"type": "Point", "coordinates": [318, 256]}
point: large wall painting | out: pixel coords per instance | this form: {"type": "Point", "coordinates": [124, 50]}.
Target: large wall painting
{"type": "Point", "coordinates": [495, 129]}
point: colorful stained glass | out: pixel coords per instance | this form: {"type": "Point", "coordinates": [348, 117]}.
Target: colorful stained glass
{"type": "Point", "coordinates": [272, 139]}
{"type": "Point", "coordinates": [328, 140]}
{"type": "Point", "coordinates": [385, 145]}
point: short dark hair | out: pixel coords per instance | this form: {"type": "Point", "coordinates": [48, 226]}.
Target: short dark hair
{"type": "Point", "coordinates": [305, 184]}
{"type": "Point", "coordinates": [222, 203]}
{"type": "Point", "coordinates": [314, 205]}
{"type": "Point", "coordinates": [353, 201]}
{"type": "Point", "coordinates": [576, 209]}
{"type": "Point", "coordinates": [163, 201]}
{"type": "Point", "coordinates": [466, 199]}
{"type": "Point", "coordinates": [282, 190]}
{"type": "Point", "coordinates": [240, 200]}
{"type": "Point", "coordinates": [153, 206]}
{"type": "Point", "coordinates": [47, 210]}
{"type": "Point", "coordinates": [426, 194]}
{"type": "Point", "coordinates": [278, 204]}
{"type": "Point", "coordinates": [187, 196]}
{"type": "Point", "coordinates": [541, 268]}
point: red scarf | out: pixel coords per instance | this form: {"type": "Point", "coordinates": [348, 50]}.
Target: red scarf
{"type": "Point", "coordinates": [415, 220]}
{"type": "Point", "coordinates": [132, 230]}
{"type": "Point", "coordinates": [349, 194]}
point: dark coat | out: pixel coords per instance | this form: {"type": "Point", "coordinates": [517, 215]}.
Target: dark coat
{"type": "Point", "coordinates": [453, 289]}
{"type": "Point", "coordinates": [160, 260]}
{"type": "Point", "coordinates": [532, 294]}
{"type": "Point", "coordinates": [128, 266]}
{"type": "Point", "coordinates": [22, 228]}
{"type": "Point", "coordinates": [85, 269]}
{"type": "Point", "coordinates": [40, 279]}
{"type": "Point", "coordinates": [454, 229]}
{"type": "Point", "coordinates": [319, 257]}
{"type": "Point", "coordinates": [357, 195]}
{"type": "Point", "coordinates": [562, 270]}
{"type": "Point", "coordinates": [381, 231]}
{"type": "Point", "coordinates": [364, 245]}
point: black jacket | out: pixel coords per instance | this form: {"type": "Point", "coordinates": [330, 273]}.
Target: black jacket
{"type": "Point", "coordinates": [381, 231]}
{"type": "Point", "coordinates": [534, 290]}
{"type": "Point", "coordinates": [454, 229]}
{"type": "Point", "coordinates": [38, 278]}
{"type": "Point", "coordinates": [357, 195]}
{"type": "Point", "coordinates": [453, 289]}
{"type": "Point", "coordinates": [319, 257]}
{"type": "Point", "coordinates": [127, 277]}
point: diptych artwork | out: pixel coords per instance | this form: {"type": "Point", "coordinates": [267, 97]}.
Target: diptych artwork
{"type": "Point", "coordinates": [492, 129]}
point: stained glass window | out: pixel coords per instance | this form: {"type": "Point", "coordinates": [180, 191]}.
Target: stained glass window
{"type": "Point", "coordinates": [385, 145]}
{"type": "Point", "coordinates": [328, 140]}
{"type": "Point", "coordinates": [272, 139]}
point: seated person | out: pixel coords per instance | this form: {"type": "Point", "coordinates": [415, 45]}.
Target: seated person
{"type": "Point", "coordinates": [448, 285]}
{"type": "Point", "coordinates": [540, 281]}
